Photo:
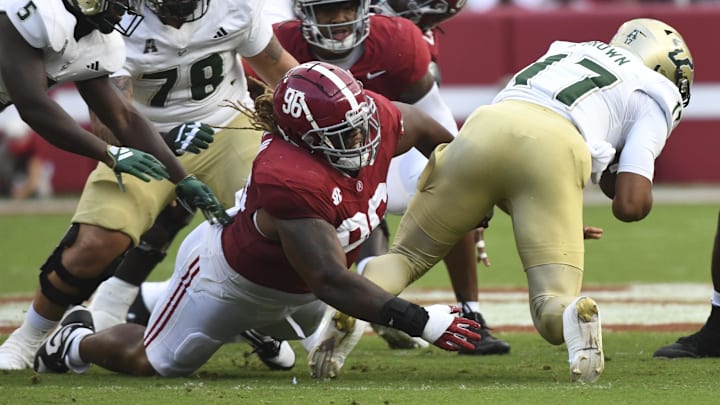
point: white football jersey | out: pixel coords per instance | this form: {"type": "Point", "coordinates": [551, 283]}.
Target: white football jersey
{"type": "Point", "coordinates": [48, 26]}
{"type": "Point", "coordinates": [279, 10]}
{"type": "Point", "coordinates": [187, 74]}
{"type": "Point", "coordinates": [596, 86]}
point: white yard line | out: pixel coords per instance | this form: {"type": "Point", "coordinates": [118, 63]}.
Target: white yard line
{"type": "Point", "coordinates": [646, 304]}
{"type": "Point", "coordinates": [641, 304]}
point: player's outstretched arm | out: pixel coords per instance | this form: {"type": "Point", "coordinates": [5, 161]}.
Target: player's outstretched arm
{"type": "Point", "coordinates": [313, 249]}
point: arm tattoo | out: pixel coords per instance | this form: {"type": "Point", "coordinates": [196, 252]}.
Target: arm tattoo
{"type": "Point", "coordinates": [123, 84]}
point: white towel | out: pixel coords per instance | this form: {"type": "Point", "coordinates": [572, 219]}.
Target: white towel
{"type": "Point", "coordinates": [602, 154]}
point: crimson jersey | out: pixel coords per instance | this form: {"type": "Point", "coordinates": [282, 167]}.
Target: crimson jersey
{"type": "Point", "coordinates": [395, 53]}
{"type": "Point", "coordinates": [290, 183]}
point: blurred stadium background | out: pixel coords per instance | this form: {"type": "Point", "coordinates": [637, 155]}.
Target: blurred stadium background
{"type": "Point", "coordinates": [480, 48]}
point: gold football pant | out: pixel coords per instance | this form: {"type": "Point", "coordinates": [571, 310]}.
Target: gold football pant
{"type": "Point", "coordinates": [529, 161]}
{"type": "Point", "coordinates": [224, 167]}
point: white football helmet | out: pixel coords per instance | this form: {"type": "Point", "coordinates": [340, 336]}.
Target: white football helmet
{"type": "Point", "coordinates": [321, 35]}
{"type": "Point", "coordinates": [661, 48]}
{"type": "Point", "coordinates": [106, 15]}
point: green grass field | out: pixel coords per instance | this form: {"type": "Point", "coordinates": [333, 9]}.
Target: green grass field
{"type": "Point", "coordinates": [672, 245]}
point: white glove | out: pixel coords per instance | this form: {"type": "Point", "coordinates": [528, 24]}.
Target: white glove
{"type": "Point", "coordinates": [449, 332]}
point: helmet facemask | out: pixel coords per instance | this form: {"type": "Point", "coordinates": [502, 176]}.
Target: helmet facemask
{"type": "Point", "coordinates": [351, 144]}
{"type": "Point", "coordinates": [661, 48]}
{"type": "Point", "coordinates": [182, 10]}
{"type": "Point", "coordinates": [321, 35]}
{"type": "Point", "coordinates": [107, 15]}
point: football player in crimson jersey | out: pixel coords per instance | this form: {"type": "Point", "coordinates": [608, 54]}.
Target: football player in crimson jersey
{"type": "Point", "coordinates": [316, 191]}
{"type": "Point", "coordinates": [52, 42]}
{"type": "Point", "coordinates": [531, 152]}
{"type": "Point", "coordinates": [389, 56]}
{"type": "Point", "coordinates": [427, 15]}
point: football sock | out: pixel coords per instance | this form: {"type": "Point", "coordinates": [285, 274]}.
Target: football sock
{"type": "Point", "coordinates": [469, 306]}
{"type": "Point", "coordinates": [36, 326]}
{"type": "Point", "coordinates": [111, 302]}
{"type": "Point", "coordinates": [715, 300]}
{"type": "Point", "coordinates": [73, 360]}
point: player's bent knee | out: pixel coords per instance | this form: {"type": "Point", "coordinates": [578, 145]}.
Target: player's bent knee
{"type": "Point", "coordinates": [70, 286]}
{"type": "Point", "coordinates": [184, 358]}
{"type": "Point", "coordinates": [143, 368]}
{"type": "Point", "coordinates": [392, 272]}
{"type": "Point", "coordinates": [547, 317]}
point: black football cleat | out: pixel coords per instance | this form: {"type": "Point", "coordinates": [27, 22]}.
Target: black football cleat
{"type": "Point", "coordinates": [702, 343]}
{"type": "Point", "coordinates": [275, 354]}
{"type": "Point", "coordinates": [50, 358]}
{"type": "Point", "coordinates": [489, 344]}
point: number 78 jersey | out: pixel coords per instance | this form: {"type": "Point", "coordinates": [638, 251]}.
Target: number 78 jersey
{"type": "Point", "coordinates": [186, 74]}
{"type": "Point", "coordinates": [590, 84]}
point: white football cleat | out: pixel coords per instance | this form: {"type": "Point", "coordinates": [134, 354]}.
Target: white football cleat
{"type": "Point", "coordinates": [336, 336]}
{"type": "Point", "coordinates": [17, 353]}
{"type": "Point", "coordinates": [583, 337]}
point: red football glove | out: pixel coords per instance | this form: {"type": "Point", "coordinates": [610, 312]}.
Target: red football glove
{"type": "Point", "coordinates": [448, 331]}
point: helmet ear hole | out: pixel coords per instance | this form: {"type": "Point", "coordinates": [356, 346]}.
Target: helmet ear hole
{"type": "Point", "coordinates": [312, 139]}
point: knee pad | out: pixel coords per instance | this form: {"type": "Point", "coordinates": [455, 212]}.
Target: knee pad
{"type": "Point", "coordinates": [85, 287]}
{"type": "Point", "coordinates": [188, 356]}
{"type": "Point", "coordinates": [551, 288]}
{"type": "Point", "coordinates": [166, 227]}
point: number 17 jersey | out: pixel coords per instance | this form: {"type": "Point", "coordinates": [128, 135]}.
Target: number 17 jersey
{"type": "Point", "coordinates": [590, 84]}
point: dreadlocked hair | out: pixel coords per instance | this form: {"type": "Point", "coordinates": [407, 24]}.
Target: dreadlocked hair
{"type": "Point", "coordinates": [261, 116]}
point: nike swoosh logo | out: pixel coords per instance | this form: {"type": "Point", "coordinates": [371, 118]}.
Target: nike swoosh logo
{"type": "Point", "coordinates": [372, 75]}
{"type": "Point", "coordinates": [54, 345]}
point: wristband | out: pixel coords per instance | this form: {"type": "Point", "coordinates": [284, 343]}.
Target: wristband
{"type": "Point", "coordinates": [405, 316]}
